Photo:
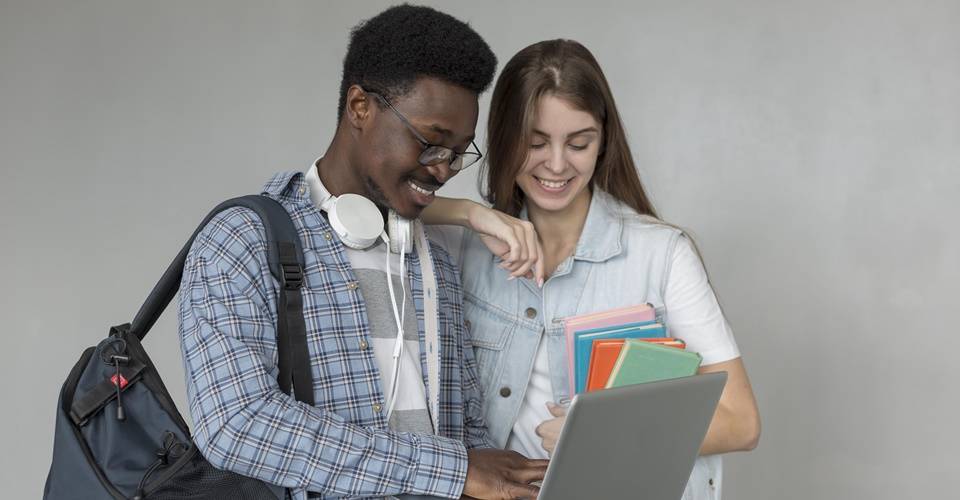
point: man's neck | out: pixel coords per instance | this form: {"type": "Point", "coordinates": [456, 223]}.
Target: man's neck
{"type": "Point", "coordinates": [336, 169]}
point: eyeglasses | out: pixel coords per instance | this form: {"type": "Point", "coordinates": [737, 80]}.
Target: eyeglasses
{"type": "Point", "coordinates": [435, 154]}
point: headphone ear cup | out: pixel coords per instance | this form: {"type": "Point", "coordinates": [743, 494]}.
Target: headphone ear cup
{"type": "Point", "coordinates": [400, 231]}
{"type": "Point", "coordinates": [356, 220]}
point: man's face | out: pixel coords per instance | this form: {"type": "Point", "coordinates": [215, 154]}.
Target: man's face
{"type": "Point", "coordinates": [387, 154]}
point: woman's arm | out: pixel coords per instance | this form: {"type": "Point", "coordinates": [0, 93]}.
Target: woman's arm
{"type": "Point", "coordinates": [694, 315]}
{"type": "Point", "coordinates": [513, 240]}
{"type": "Point", "coordinates": [736, 423]}
{"type": "Point", "coordinates": [448, 212]}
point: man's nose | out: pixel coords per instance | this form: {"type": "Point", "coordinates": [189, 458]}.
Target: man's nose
{"type": "Point", "coordinates": [441, 172]}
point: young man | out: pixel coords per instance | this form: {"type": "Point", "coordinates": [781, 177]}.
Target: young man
{"type": "Point", "coordinates": [379, 426]}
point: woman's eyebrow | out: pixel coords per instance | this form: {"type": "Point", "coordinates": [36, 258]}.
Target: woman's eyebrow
{"type": "Point", "coordinates": [583, 131]}
{"type": "Point", "coordinates": [571, 134]}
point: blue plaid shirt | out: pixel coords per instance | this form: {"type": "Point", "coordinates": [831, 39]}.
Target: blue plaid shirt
{"type": "Point", "coordinates": [341, 446]}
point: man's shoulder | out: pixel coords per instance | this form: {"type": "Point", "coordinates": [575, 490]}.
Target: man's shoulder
{"type": "Point", "coordinates": [442, 256]}
{"type": "Point", "coordinates": [281, 183]}
{"type": "Point", "coordinates": [240, 225]}
{"type": "Point", "coordinates": [230, 231]}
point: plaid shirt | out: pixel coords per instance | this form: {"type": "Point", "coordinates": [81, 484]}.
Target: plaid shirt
{"type": "Point", "coordinates": [341, 446]}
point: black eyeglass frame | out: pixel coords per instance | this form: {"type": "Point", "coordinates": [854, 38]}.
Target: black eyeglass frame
{"type": "Point", "coordinates": [466, 158]}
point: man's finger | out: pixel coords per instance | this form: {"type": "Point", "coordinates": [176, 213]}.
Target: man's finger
{"type": "Point", "coordinates": [518, 490]}
{"type": "Point", "coordinates": [531, 472]}
{"type": "Point", "coordinates": [538, 463]}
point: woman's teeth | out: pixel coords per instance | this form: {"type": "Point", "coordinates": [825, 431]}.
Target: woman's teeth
{"type": "Point", "coordinates": [419, 189]}
{"type": "Point", "coordinates": [552, 184]}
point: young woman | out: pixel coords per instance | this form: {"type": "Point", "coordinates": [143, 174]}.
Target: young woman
{"type": "Point", "coordinates": [569, 208]}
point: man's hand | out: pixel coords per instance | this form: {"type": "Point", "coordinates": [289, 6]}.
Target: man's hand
{"type": "Point", "coordinates": [549, 430]}
{"type": "Point", "coordinates": [502, 474]}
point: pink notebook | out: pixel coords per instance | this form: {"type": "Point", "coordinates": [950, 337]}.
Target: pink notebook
{"type": "Point", "coordinates": [612, 317]}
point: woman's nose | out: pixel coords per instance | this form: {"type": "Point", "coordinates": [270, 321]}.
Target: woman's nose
{"type": "Point", "coordinates": [556, 163]}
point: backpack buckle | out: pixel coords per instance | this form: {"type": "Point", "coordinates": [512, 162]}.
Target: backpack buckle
{"type": "Point", "coordinates": [292, 276]}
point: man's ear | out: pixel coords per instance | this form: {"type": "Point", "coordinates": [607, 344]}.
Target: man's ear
{"type": "Point", "coordinates": [358, 107]}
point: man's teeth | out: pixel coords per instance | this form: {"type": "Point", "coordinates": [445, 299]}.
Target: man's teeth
{"type": "Point", "coordinates": [553, 184]}
{"type": "Point", "coordinates": [419, 189]}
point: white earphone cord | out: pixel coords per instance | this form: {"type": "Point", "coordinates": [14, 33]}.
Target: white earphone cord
{"type": "Point", "coordinates": [399, 317]}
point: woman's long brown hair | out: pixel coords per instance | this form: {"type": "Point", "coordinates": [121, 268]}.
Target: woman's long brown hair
{"type": "Point", "coordinates": [567, 70]}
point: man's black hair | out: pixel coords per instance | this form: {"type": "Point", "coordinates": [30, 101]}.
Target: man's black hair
{"type": "Point", "coordinates": [388, 52]}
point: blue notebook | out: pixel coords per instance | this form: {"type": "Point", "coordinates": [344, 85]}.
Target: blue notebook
{"type": "Point", "coordinates": [583, 344]}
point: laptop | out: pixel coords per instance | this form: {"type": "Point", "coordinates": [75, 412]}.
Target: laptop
{"type": "Point", "coordinates": [638, 441]}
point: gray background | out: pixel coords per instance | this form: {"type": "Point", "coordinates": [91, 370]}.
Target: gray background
{"type": "Point", "coordinates": [812, 147]}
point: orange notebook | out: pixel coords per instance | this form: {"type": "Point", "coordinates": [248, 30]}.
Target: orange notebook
{"type": "Point", "coordinates": [604, 356]}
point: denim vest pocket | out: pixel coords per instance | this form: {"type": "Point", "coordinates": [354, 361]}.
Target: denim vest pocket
{"type": "Point", "coordinates": [490, 329]}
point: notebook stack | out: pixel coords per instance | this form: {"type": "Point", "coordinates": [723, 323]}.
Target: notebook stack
{"type": "Point", "coordinates": [621, 347]}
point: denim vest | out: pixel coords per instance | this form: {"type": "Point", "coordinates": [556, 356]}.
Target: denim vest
{"type": "Point", "coordinates": [622, 259]}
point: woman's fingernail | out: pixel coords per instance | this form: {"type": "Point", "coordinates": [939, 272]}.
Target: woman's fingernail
{"type": "Point", "coordinates": [540, 283]}
{"type": "Point", "coordinates": [511, 278]}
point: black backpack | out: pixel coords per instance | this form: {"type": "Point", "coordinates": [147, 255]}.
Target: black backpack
{"type": "Point", "coordinates": [119, 434]}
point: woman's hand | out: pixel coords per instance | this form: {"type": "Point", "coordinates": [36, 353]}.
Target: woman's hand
{"type": "Point", "coordinates": [513, 240]}
{"type": "Point", "coordinates": [549, 430]}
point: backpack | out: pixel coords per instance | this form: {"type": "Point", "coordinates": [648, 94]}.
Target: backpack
{"type": "Point", "coordinates": [118, 433]}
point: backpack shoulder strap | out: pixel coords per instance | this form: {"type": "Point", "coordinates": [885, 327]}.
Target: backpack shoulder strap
{"type": "Point", "coordinates": [285, 259]}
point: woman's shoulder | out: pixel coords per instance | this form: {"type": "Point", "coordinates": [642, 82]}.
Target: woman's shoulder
{"type": "Point", "coordinates": [637, 225]}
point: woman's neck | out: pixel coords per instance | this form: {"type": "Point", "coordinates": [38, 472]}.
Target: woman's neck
{"type": "Point", "coordinates": [559, 231]}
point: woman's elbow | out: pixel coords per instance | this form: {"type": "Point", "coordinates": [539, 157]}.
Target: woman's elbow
{"type": "Point", "coordinates": [750, 433]}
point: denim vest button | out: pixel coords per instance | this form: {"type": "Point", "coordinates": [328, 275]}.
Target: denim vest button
{"type": "Point", "coordinates": [467, 324]}
{"type": "Point", "coordinates": [531, 313]}
{"type": "Point", "coordinates": [505, 392]}
{"type": "Point", "coordinates": [363, 344]}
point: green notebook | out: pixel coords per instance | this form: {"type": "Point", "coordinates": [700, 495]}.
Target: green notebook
{"type": "Point", "coordinates": [640, 362]}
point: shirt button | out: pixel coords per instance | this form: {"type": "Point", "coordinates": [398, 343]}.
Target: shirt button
{"type": "Point", "coordinates": [352, 285]}
{"type": "Point", "coordinates": [303, 189]}
{"type": "Point", "coordinates": [531, 313]}
{"type": "Point", "coordinates": [327, 236]}
{"type": "Point", "coordinates": [377, 407]}
{"type": "Point", "coordinates": [364, 344]}
{"type": "Point", "coordinates": [505, 392]}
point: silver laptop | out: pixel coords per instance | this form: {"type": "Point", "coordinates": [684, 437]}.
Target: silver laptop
{"type": "Point", "coordinates": [638, 441]}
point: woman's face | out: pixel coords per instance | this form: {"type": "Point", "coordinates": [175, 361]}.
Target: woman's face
{"type": "Point", "coordinates": [563, 154]}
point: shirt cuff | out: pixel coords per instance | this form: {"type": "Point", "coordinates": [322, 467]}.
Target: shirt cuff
{"type": "Point", "coordinates": [441, 469]}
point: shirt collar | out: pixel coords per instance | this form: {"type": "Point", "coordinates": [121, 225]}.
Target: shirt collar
{"type": "Point", "coordinates": [288, 186]}
{"type": "Point", "coordinates": [315, 188]}
{"type": "Point", "coordinates": [600, 239]}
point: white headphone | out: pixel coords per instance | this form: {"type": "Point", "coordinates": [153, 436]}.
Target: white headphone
{"type": "Point", "coordinates": [359, 224]}
{"type": "Point", "coordinates": [357, 220]}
